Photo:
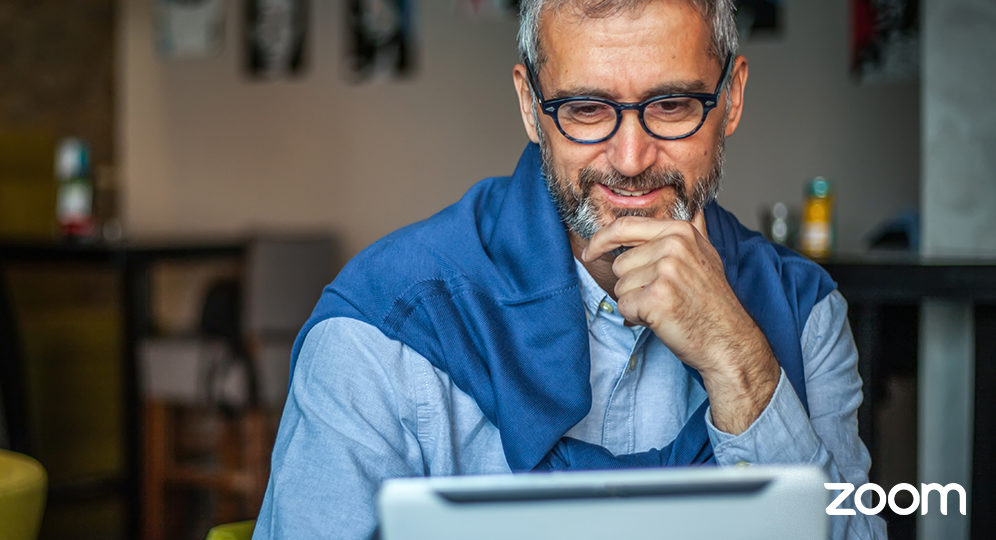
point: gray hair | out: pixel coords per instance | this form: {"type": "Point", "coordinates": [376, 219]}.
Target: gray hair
{"type": "Point", "coordinates": [719, 12]}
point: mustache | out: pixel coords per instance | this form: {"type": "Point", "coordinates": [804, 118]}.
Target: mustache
{"type": "Point", "coordinates": [645, 181]}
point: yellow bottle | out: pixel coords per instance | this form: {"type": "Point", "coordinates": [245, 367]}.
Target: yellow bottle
{"type": "Point", "coordinates": [816, 234]}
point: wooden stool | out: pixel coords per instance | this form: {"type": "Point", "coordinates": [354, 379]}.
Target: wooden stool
{"type": "Point", "coordinates": [238, 478]}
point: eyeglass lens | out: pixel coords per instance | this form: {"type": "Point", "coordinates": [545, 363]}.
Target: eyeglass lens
{"type": "Point", "coordinates": [594, 120]}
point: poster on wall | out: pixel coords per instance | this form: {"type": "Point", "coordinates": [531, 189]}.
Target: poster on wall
{"type": "Point", "coordinates": [885, 40]}
{"type": "Point", "coordinates": [380, 39]}
{"type": "Point", "coordinates": [190, 28]}
{"type": "Point", "coordinates": [276, 35]}
{"type": "Point", "coordinates": [758, 18]}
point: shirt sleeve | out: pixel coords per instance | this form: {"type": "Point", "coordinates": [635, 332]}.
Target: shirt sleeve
{"type": "Point", "coordinates": [828, 435]}
{"type": "Point", "coordinates": [340, 434]}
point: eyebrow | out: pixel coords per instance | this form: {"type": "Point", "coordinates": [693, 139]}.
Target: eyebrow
{"type": "Point", "coordinates": [697, 86]}
{"type": "Point", "coordinates": [675, 87]}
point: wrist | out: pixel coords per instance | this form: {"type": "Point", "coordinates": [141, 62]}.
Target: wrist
{"type": "Point", "coordinates": [740, 388]}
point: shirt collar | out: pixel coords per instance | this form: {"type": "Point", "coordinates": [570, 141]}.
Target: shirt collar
{"type": "Point", "coordinates": [592, 294]}
{"type": "Point", "coordinates": [596, 301]}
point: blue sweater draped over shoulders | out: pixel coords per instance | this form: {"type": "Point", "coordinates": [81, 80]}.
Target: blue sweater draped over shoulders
{"type": "Point", "coordinates": [487, 291]}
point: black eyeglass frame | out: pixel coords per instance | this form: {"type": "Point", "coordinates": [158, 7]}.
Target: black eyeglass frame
{"type": "Point", "coordinates": [551, 107]}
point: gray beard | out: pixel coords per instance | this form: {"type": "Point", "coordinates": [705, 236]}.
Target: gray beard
{"type": "Point", "coordinates": [580, 213]}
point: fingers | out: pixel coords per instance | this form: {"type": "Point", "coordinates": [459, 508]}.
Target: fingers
{"type": "Point", "coordinates": [646, 294]}
{"type": "Point", "coordinates": [663, 253]}
{"type": "Point", "coordinates": [630, 231]}
{"type": "Point", "coordinates": [636, 280]}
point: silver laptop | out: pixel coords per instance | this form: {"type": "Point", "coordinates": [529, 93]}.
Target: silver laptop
{"type": "Point", "coordinates": [696, 502]}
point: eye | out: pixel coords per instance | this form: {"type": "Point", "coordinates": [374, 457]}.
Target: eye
{"type": "Point", "coordinates": [673, 109]}
{"type": "Point", "coordinates": [586, 112]}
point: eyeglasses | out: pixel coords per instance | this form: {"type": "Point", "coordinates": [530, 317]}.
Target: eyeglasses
{"type": "Point", "coordinates": [591, 120]}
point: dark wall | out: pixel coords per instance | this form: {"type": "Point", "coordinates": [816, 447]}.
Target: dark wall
{"type": "Point", "coordinates": [57, 70]}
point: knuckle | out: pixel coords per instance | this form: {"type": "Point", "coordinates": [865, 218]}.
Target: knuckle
{"type": "Point", "coordinates": [625, 305]}
{"type": "Point", "coordinates": [687, 241]}
{"type": "Point", "coordinates": [665, 267]}
{"type": "Point", "coordinates": [661, 290]}
{"type": "Point", "coordinates": [679, 246]}
{"type": "Point", "coordinates": [622, 304]}
{"type": "Point", "coordinates": [619, 266]}
{"type": "Point", "coordinates": [620, 289]}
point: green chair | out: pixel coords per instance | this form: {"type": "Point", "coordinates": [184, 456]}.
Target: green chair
{"type": "Point", "coordinates": [22, 496]}
{"type": "Point", "coordinates": [240, 530]}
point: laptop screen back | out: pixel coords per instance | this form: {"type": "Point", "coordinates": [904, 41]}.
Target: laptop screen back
{"type": "Point", "coordinates": [700, 503]}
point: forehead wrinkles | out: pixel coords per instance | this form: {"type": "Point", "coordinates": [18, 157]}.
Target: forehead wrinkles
{"type": "Point", "coordinates": [596, 9]}
{"type": "Point", "coordinates": [674, 28]}
{"type": "Point", "coordinates": [578, 11]}
{"type": "Point", "coordinates": [652, 42]}
{"type": "Point", "coordinates": [581, 10]}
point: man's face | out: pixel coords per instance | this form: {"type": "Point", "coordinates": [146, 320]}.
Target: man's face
{"type": "Point", "coordinates": [629, 57]}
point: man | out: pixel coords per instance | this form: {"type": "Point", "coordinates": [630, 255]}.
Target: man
{"type": "Point", "coordinates": [595, 310]}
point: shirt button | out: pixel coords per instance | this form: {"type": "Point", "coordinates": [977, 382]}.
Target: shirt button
{"type": "Point", "coordinates": [632, 362]}
{"type": "Point", "coordinates": [606, 307]}
{"type": "Point", "coordinates": [743, 463]}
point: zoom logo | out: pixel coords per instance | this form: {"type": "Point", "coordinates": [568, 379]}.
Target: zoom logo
{"type": "Point", "coordinates": [920, 498]}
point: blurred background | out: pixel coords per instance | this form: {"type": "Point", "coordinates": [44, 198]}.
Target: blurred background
{"type": "Point", "coordinates": [179, 178]}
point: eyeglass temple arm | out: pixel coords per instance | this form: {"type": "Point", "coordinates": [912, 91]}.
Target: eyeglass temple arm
{"type": "Point", "coordinates": [727, 70]}
{"type": "Point", "coordinates": [533, 83]}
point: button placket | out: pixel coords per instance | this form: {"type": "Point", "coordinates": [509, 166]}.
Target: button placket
{"type": "Point", "coordinates": [619, 427]}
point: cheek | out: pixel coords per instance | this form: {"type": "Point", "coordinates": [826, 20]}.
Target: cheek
{"type": "Point", "coordinates": [693, 156]}
{"type": "Point", "coordinates": [570, 158]}
{"type": "Point", "coordinates": [693, 159]}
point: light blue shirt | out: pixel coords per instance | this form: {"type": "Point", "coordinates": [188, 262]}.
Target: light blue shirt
{"type": "Point", "coordinates": [363, 408]}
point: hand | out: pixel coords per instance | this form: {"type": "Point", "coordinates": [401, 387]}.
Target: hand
{"type": "Point", "coordinates": [672, 281]}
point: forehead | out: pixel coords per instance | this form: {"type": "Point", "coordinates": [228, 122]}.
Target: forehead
{"type": "Point", "coordinates": [651, 43]}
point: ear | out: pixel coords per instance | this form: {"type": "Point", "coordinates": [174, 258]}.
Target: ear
{"type": "Point", "coordinates": [525, 94]}
{"type": "Point", "coordinates": [736, 90]}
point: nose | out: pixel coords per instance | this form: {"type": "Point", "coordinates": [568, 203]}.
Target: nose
{"type": "Point", "coordinates": [631, 150]}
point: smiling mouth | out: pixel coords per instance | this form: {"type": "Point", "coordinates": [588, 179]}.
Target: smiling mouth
{"type": "Point", "coordinates": [627, 193]}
